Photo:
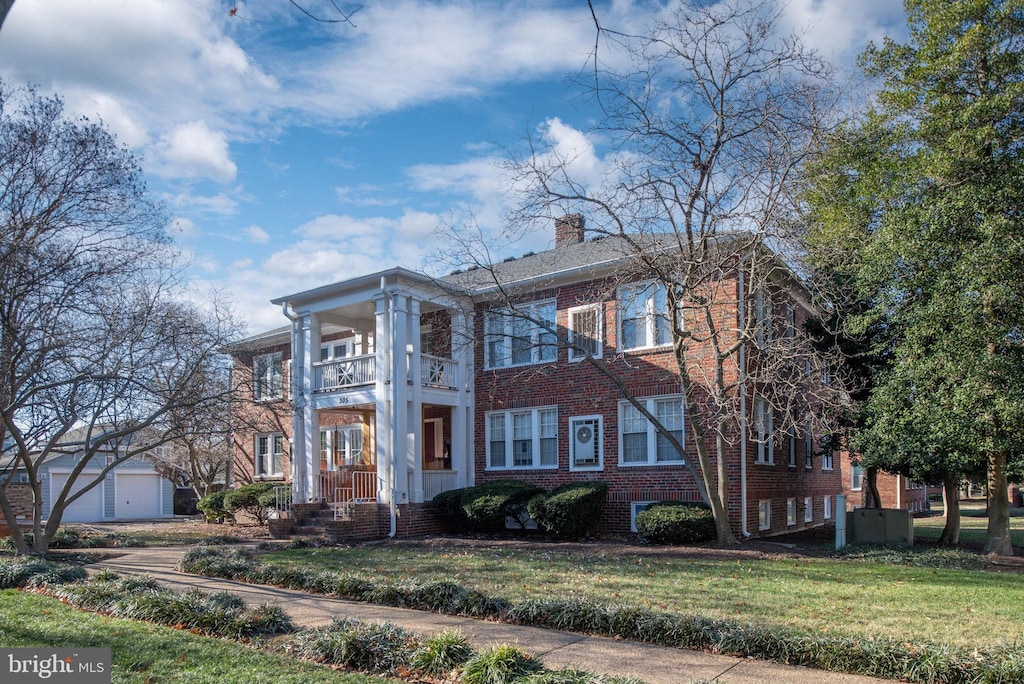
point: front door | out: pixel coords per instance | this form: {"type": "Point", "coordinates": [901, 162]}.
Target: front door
{"type": "Point", "coordinates": [433, 444]}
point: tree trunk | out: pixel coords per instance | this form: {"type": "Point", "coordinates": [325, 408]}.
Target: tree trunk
{"type": "Point", "coordinates": [951, 503]}
{"type": "Point", "coordinates": [872, 498]}
{"type": "Point", "coordinates": [998, 542]}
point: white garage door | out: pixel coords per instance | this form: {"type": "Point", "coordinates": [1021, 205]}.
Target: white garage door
{"type": "Point", "coordinates": [136, 495]}
{"type": "Point", "coordinates": [88, 508]}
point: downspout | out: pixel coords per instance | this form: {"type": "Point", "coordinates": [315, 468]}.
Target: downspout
{"type": "Point", "coordinates": [392, 442]}
{"type": "Point", "coordinates": [742, 308]}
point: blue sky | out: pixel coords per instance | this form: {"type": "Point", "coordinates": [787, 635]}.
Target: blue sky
{"type": "Point", "coordinates": [292, 153]}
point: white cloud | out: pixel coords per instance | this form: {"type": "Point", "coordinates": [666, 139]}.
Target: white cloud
{"type": "Point", "coordinates": [257, 235]}
{"type": "Point", "coordinates": [841, 29]}
{"type": "Point", "coordinates": [194, 150]}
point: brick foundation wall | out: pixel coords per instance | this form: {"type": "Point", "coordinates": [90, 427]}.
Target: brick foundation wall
{"type": "Point", "coordinates": [20, 497]}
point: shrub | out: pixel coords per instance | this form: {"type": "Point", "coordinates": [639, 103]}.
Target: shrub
{"type": "Point", "coordinates": [276, 493]}
{"type": "Point", "coordinates": [501, 664]}
{"type": "Point", "coordinates": [570, 511]}
{"type": "Point", "coordinates": [442, 653]}
{"type": "Point", "coordinates": [212, 507]}
{"type": "Point", "coordinates": [676, 522]}
{"type": "Point", "coordinates": [247, 498]}
{"type": "Point", "coordinates": [207, 560]}
{"type": "Point", "coordinates": [375, 648]}
{"type": "Point", "coordinates": [448, 506]}
{"type": "Point", "coordinates": [487, 506]}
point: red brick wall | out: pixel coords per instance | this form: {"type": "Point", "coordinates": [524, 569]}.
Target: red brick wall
{"type": "Point", "coordinates": [253, 418]}
{"type": "Point", "coordinates": [892, 489]}
{"type": "Point", "coordinates": [20, 497]}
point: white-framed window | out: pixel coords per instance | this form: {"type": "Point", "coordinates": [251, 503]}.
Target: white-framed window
{"type": "Point", "coordinates": [586, 443]}
{"type": "Point", "coordinates": [790, 321]}
{"type": "Point", "coordinates": [634, 508]}
{"type": "Point", "coordinates": [826, 454]}
{"type": "Point", "coordinates": [515, 338]}
{"type": "Point", "coordinates": [338, 349]}
{"type": "Point", "coordinates": [856, 478]}
{"type": "Point", "coordinates": [342, 445]}
{"type": "Point", "coordinates": [585, 332]}
{"type": "Point", "coordinates": [522, 439]}
{"type": "Point", "coordinates": [643, 316]}
{"type": "Point", "coordinates": [763, 428]}
{"type": "Point", "coordinates": [827, 503]}
{"type": "Point", "coordinates": [763, 318]}
{"type": "Point", "coordinates": [808, 448]}
{"type": "Point", "coordinates": [764, 514]}
{"type": "Point", "coordinates": [269, 455]}
{"type": "Point", "coordinates": [267, 377]}
{"type": "Point", "coordinates": [791, 511]}
{"type": "Point", "coordinates": [808, 509]}
{"type": "Point", "coordinates": [639, 442]}
{"type": "Point", "coordinates": [791, 447]}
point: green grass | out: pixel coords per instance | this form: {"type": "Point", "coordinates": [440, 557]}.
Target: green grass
{"type": "Point", "coordinates": [973, 524]}
{"type": "Point", "coordinates": [822, 595]}
{"type": "Point", "coordinates": [143, 652]}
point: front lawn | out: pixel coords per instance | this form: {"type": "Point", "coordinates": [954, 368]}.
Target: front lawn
{"type": "Point", "coordinates": [973, 524]}
{"type": "Point", "coordinates": [866, 599]}
{"type": "Point", "coordinates": [143, 652]}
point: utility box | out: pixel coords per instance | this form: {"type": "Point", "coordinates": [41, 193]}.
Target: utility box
{"type": "Point", "coordinates": [880, 526]}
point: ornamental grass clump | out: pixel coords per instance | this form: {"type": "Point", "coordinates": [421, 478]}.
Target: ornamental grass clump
{"type": "Point", "coordinates": [442, 653]}
{"type": "Point", "coordinates": [27, 571]}
{"type": "Point", "coordinates": [374, 648]}
{"type": "Point", "coordinates": [502, 664]}
{"type": "Point", "coordinates": [233, 563]}
{"type": "Point", "coordinates": [571, 615]}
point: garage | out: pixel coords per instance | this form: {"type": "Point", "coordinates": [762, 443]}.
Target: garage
{"type": "Point", "coordinates": [88, 508]}
{"type": "Point", "coordinates": [137, 495]}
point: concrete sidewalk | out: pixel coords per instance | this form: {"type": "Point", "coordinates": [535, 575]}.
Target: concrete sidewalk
{"type": "Point", "coordinates": [600, 655]}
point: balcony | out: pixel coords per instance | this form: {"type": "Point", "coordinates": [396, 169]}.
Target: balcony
{"type": "Point", "coordinates": [359, 371]}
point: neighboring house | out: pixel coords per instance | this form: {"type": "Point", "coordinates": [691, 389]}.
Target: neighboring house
{"type": "Point", "coordinates": [132, 490]}
{"type": "Point", "coordinates": [401, 386]}
{"type": "Point", "coordinates": [896, 491]}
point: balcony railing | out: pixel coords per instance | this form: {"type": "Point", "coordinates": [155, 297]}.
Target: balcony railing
{"type": "Point", "coordinates": [344, 373]}
{"type": "Point", "coordinates": [437, 371]}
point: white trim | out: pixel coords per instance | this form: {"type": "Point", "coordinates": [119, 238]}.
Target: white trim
{"type": "Point", "coordinates": [651, 315]}
{"type": "Point", "coordinates": [764, 425]}
{"type": "Point", "coordinates": [764, 514]}
{"type": "Point", "coordinates": [540, 339]}
{"type": "Point", "coordinates": [272, 453]}
{"type": "Point", "coordinates": [595, 423]}
{"type": "Point", "coordinates": [508, 438]}
{"type": "Point", "coordinates": [634, 508]}
{"type": "Point", "coordinates": [856, 476]}
{"type": "Point", "coordinates": [598, 310]}
{"type": "Point", "coordinates": [827, 502]}
{"type": "Point", "coordinates": [791, 511]}
{"type": "Point", "coordinates": [651, 442]}
{"type": "Point", "coordinates": [268, 384]}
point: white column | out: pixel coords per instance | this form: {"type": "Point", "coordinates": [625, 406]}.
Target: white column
{"type": "Point", "coordinates": [310, 418]}
{"type": "Point", "coordinates": [404, 443]}
{"type": "Point", "coordinates": [462, 414]}
{"type": "Point", "coordinates": [298, 470]}
{"type": "Point", "coordinates": [384, 439]}
{"type": "Point", "coordinates": [415, 387]}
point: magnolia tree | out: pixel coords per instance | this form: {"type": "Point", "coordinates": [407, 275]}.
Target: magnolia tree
{"type": "Point", "coordinates": [100, 359]}
{"type": "Point", "coordinates": [710, 121]}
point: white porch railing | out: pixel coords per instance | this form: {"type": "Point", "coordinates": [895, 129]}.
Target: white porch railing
{"type": "Point", "coordinates": [437, 481]}
{"type": "Point", "coordinates": [343, 373]}
{"type": "Point", "coordinates": [437, 371]}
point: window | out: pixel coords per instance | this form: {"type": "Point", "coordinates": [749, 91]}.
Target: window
{"type": "Point", "coordinates": [270, 455]}
{"type": "Point", "coordinates": [763, 426]}
{"type": "Point", "coordinates": [808, 448]}
{"type": "Point", "coordinates": [643, 316]}
{"type": "Point", "coordinates": [639, 442]}
{"type": "Point", "coordinates": [586, 443]}
{"type": "Point", "coordinates": [827, 501]}
{"type": "Point", "coordinates": [340, 349]}
{"type": "Point", "coordinates": [342, 446]}
{"type": "Point", "coordinates": [826, 454]}
{"type": "Point", "coordinates": [585, 332]}
{"type": "Point", "coordinates": [790, 321]}
{"type": "Point", "coordinates": [791, 511]}
{"type": "Point", "coordinates": [267, 377]}
{"type": "Point", "coordinates": [634, 508]}
{"type": "Point", "coordinates": [522, 439]}
{"type": "Point", "coordinates": [762, 318]}
{"type": "Point", "coordinates": [856, 478]}
{"type": "Point", "coordinates": [764, 514]}
{"type": "Point", "coordinates": [791, 443]}
{"type": "Point", "coordinates": [808, 509]}
{"type": "Point", "coordinates": [517, 339]}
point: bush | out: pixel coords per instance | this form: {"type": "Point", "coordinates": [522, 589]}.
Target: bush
{"type": "Point", "coordinates": [487, 506]}
{"type": "Point", "coordinates": [442, 653]}
{"type": "Point", "coordinates": [448, 506]}
{"type": "Point", "coordinates": [676, 522]}
{"type": "Point", "coordinates": [212, 507]}
{"type": "Point", "coordinates": [376, 648]}
{"type": "Point", "coordinates": [276, 493]}
{"type": "Point", "coordinates": [571, 511]}
{"type": "Point", "coordinates": [247, 498]}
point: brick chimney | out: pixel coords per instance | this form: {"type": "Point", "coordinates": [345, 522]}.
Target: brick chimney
{"type": "Point", "coordinates": [569, 230]}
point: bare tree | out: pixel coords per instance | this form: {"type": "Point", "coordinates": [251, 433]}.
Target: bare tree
{"type": "Point", "coordinates": [99, 356]}
{"type": "Point", "coordinates": [711, 122]}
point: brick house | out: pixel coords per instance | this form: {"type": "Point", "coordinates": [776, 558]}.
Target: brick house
{"type": "Point", "coordinates": [490, 394]}
{"type": "Point", "coordinates": [895, 491]}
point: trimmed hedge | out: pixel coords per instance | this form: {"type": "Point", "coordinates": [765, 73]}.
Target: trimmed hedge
{"type": "Point", "coordinates": [676, 522]}
{"type": "Point", "coordinates": [485, 507]}
{"type": "Point", "coordinates": [247, 498]}
{"type": "Point", "coordinates": [212, 507]}
{"type": "Point", "coordinates": [876, 657]}
{"type": "Point", "coordinates": [570, 511]}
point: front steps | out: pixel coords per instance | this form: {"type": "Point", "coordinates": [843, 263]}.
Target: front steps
{"type": "Point", "coordinates": [354, 522]}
